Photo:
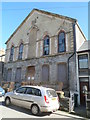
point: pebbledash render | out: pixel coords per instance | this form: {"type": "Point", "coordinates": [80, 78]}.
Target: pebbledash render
{"type": "Point", "coordinates": [43, 49]}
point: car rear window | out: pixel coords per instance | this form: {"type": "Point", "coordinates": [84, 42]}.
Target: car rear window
{"type": "Point", "coordinates": [51, 93]}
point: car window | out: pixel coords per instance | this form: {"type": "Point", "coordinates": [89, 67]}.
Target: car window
{"type": "Point", "coordinates": [37, 92]}
{"type": "Point", "coordinates": [33, 91]}
{"type": "Point", "coordinates": [21, 90]}
{"type": "Point", "coordinates": [51, 93]}
{"type": "Point", "coordinates": [29, 91]}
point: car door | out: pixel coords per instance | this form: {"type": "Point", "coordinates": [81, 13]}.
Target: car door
{"type": "Point", "coordinates": [32, 96]}
{"type": "Point", "coordinates": [36, 96]}
{"type": "Point", "coordinates": [28, 98]}
{"type": "Point", "coordinates": [18, 96]}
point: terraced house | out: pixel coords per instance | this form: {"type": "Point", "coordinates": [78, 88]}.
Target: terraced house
{"type": "Point", "coordinates": [43, 49]}
{"type": "Point", "coordinates": [84, 69]}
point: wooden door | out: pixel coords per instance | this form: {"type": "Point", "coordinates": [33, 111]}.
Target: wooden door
{"type": "Point", "coordinates": [82, 94]}
{"type": "Point", "coordinates": [30, 73]}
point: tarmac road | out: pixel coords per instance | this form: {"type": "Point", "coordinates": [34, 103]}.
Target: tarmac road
{"type": "Point", "coordinates": [17, 112]}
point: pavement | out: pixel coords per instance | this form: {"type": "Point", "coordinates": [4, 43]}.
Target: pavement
{"type": "Point", "coordinates": [81, 111]}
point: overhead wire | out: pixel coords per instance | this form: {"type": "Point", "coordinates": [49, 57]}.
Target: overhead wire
{"type": "Point", "coordinates": [7, 9]}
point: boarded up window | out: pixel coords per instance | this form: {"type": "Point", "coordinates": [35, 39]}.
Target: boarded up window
{"type": "Point", "coordinates": [18, 75]}
{"type": "Point", "coordinates": [9, 74]}
{"type": "Point", "coordinates": [62, 73]}
{"type": "Point", "coordinates": [45, 73]}
{"type": "Point", "coordinates": [31, 73]}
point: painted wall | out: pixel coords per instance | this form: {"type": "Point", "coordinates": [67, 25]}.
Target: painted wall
{"type": "Point", "coordinates": [80, 39]}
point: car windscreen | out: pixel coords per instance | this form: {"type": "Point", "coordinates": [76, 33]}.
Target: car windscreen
{"type": "Point", "coordinates": [51, 93]}
{"type": "Point", "coordinates": [1, 89]}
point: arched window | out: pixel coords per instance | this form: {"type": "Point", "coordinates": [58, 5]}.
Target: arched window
{"type": "Point", "coordinates": [11, 53]}
{"type": "Point", "coordinates": [20, 51]}
{"type": "Point", "coordinates": [46, 46]}
{"type": "Point", "coordinates": [61, 42]}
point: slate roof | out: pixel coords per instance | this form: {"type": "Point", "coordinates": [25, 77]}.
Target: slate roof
{"type": "Point", "coordinates": [85, 46]}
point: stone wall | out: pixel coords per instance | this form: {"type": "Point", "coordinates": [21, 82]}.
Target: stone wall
{"type": "Point", "coordinates": [32, 32]}
{"type": "Point", "coordinates": [52, 61]}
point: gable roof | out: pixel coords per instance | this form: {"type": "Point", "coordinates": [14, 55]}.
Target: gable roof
{"type": "Point", "coordinates": [44, 12]}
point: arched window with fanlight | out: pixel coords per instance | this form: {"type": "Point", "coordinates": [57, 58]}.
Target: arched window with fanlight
{"type": "Point", "coordinates": [61, 42]}
{"type": "Point", "coordinates": [46, 46]}
{"type": "Point", "coordinates": [11, 53]}
{"type": "Point", "coordinates": [20, 51]}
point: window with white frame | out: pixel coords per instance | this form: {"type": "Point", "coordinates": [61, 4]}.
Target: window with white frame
{"type": "Point", "coordinates": [83, 61]}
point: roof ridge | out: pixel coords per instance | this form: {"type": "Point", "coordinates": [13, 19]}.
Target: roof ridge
{"type": "Point", "coordinates": [57, 15]}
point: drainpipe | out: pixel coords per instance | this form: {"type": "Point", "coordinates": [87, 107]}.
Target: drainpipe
{"type": "Point", "coordinates": [74, 53]}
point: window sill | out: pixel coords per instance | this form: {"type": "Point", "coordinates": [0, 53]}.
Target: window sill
{"type": "Point", "coordinates": [51, 55]}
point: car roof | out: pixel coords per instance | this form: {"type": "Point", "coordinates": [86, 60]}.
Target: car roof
{"type": "Point", "coordinates": [38, 87]}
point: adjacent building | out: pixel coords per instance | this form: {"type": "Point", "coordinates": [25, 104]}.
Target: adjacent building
{"type": "Point", "coordinates": [2, 55]}
{"type": "Point", "coordinates": [43, 49]}
{"type": "Point", "coordinates": [2, 59]}
{"type": "Point", "coordinates": [84, 69]}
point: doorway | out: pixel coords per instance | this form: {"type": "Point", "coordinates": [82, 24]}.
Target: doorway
{"type": "Point", "coordinates": [30, 73]}
{"type": "Point", "coordinates": [83, 85]}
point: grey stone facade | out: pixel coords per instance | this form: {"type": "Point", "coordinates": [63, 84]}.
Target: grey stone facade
{"type": "Point", "coordinates": [52, 61]}
{"type": "Point", "coordinates": [1, 71]}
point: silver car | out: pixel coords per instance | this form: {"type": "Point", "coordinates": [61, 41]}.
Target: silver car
{"type": "Point", "coordinates": [37, 98]}
{"type": "Point", "coordinates": [2, 91]}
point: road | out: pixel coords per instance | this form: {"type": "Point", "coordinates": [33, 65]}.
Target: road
{"type": "Point", "coordinates": [17, 112]}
